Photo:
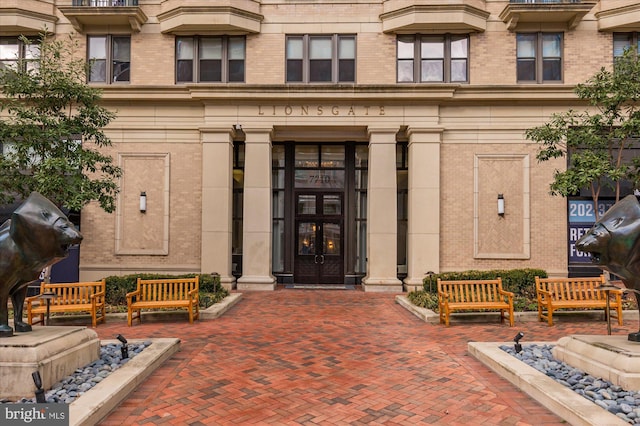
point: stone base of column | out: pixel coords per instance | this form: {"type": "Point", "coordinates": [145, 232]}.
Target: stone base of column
{"type": "Point", "coordinates": [413, 284]}
{"type": "Point", "coordinates": [258, 283]}
{"type": "Point", "coordinates": [382, 285]}
{"type": "Point", "coordinates": [228, 282]}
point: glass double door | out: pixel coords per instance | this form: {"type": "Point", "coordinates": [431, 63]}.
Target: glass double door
{"type": "Point", "coordinates": [319, 255]}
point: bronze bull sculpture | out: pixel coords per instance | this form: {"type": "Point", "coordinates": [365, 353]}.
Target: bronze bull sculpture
{"type": "Point", "coordinates": [614, 245]}
{"type": "Point", "coordinates": [36, 236]}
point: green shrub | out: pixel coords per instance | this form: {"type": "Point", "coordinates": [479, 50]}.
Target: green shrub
{"type": "Point", "coordinates": [424, 299]}
{"type": "Point", "coordinates": [524, 304]}
{"type": "Point", "coordinates": [118, 286]}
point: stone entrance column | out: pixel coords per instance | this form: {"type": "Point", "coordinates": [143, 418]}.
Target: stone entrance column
{"type": "Point", "coordinates": [217, 195]}
{"type": "Point", "coordinates": [256, 220]}
{"type": "Point", "coordinates": [424, 205]}
{"type": "Point", "coordinates": [382, 218]}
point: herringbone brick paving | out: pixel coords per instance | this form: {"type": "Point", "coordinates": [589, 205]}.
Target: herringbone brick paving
{"type": "Point", "coordinates": [319, 357]}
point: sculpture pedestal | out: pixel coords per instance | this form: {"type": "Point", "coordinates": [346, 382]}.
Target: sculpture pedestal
{"type": "Point", "coordinates": [613, 358]}
{"type": "Point", "coordinates": [53, 351]}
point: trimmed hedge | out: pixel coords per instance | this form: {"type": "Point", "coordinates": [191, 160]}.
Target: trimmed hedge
{"type": "Point", "coordinates": [119, 286]}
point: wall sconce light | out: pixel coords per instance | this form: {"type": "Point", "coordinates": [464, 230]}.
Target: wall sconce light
{"type": "Point", "coordinates": [143, 202]}
{"type": "Point", "coordinates": [500, 205]}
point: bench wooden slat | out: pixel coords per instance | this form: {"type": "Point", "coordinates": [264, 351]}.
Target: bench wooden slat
{"type": "Point", "coordinates": [456, 295]}
{"type": "Point", "coordinates": [576, 293]}
{"type": "Point", "coordinates": [42, 309]}
{"type": "Point", "coordinates": [164, 293]}
{"type": "Point", "coordinates": [69, 297]}
{"type": "Point", "coordinates": [155, 304]}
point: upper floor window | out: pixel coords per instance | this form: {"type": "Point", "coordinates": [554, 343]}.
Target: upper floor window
{"type": "Point", "coordinates": [539, 57]}
{"type": "Point", "coordinates": [443, 59]}
{"type": "Point", "coordinates": [623, 41]}
{"type": "Point", "coordinates": [109, 58]}
{"type": "Point", "coordinates": [210, 59]}
{"type": "Point", "coordinates": [321, 58]}
{"type": "Point", "coordinates": [15, 50]}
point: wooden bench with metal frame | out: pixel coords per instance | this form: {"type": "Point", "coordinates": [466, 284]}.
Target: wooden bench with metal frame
{"type": "Point", "coordinates": [68, 297]}
{"type": "Point", "coordinates": [464, 295]}
{"type": "Point", "coordinates": [164, 293]}
{"type": "Point", "coordinates": [576, 293]}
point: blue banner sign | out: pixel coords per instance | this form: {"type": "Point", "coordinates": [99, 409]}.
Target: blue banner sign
{"type": "Point", "coordinates": [582, 211]}
{"type": "Point", "coordinates": [575, 232]}
{"type": "Point", "coordinates": [581, 218]}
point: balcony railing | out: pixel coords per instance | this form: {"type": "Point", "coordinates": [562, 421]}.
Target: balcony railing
{"type": "Point", "coordinates": [105, 3]}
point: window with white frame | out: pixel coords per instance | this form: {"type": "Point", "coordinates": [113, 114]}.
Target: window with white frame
{"type": "Point", "coordinates": [624, 41]}
{"type": "Point", "coordinates": [539, 57]}
{"type": "Point", "coordinates": [208, 59]}
{"type": "Point", "coordinates": [16, 51]}
{"type": "Point", "coordinates": [109, 58]}
{"type": "Point", "coordinates": [321, 58]}
{"type": "Point", "coordinates": [436, 59]}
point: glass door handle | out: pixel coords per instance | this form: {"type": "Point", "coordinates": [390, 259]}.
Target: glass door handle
{"type": "Point", "coordinates": [315, 259]}
{"type": "Point", "coordinates": [322, 259]}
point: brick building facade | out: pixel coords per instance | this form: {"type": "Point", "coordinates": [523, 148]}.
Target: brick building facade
{"type": "Point", "coordinates": [314, 141]}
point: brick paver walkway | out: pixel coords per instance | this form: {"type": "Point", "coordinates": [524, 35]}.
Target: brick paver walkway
{"type": "Point", "coordinates": [314, 357]}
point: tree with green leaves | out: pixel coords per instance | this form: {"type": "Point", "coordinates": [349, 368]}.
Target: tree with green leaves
{"type": "Point", "coordinates": [51, 129]}
{"type": "Point", "coordinates": [597, 141]}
